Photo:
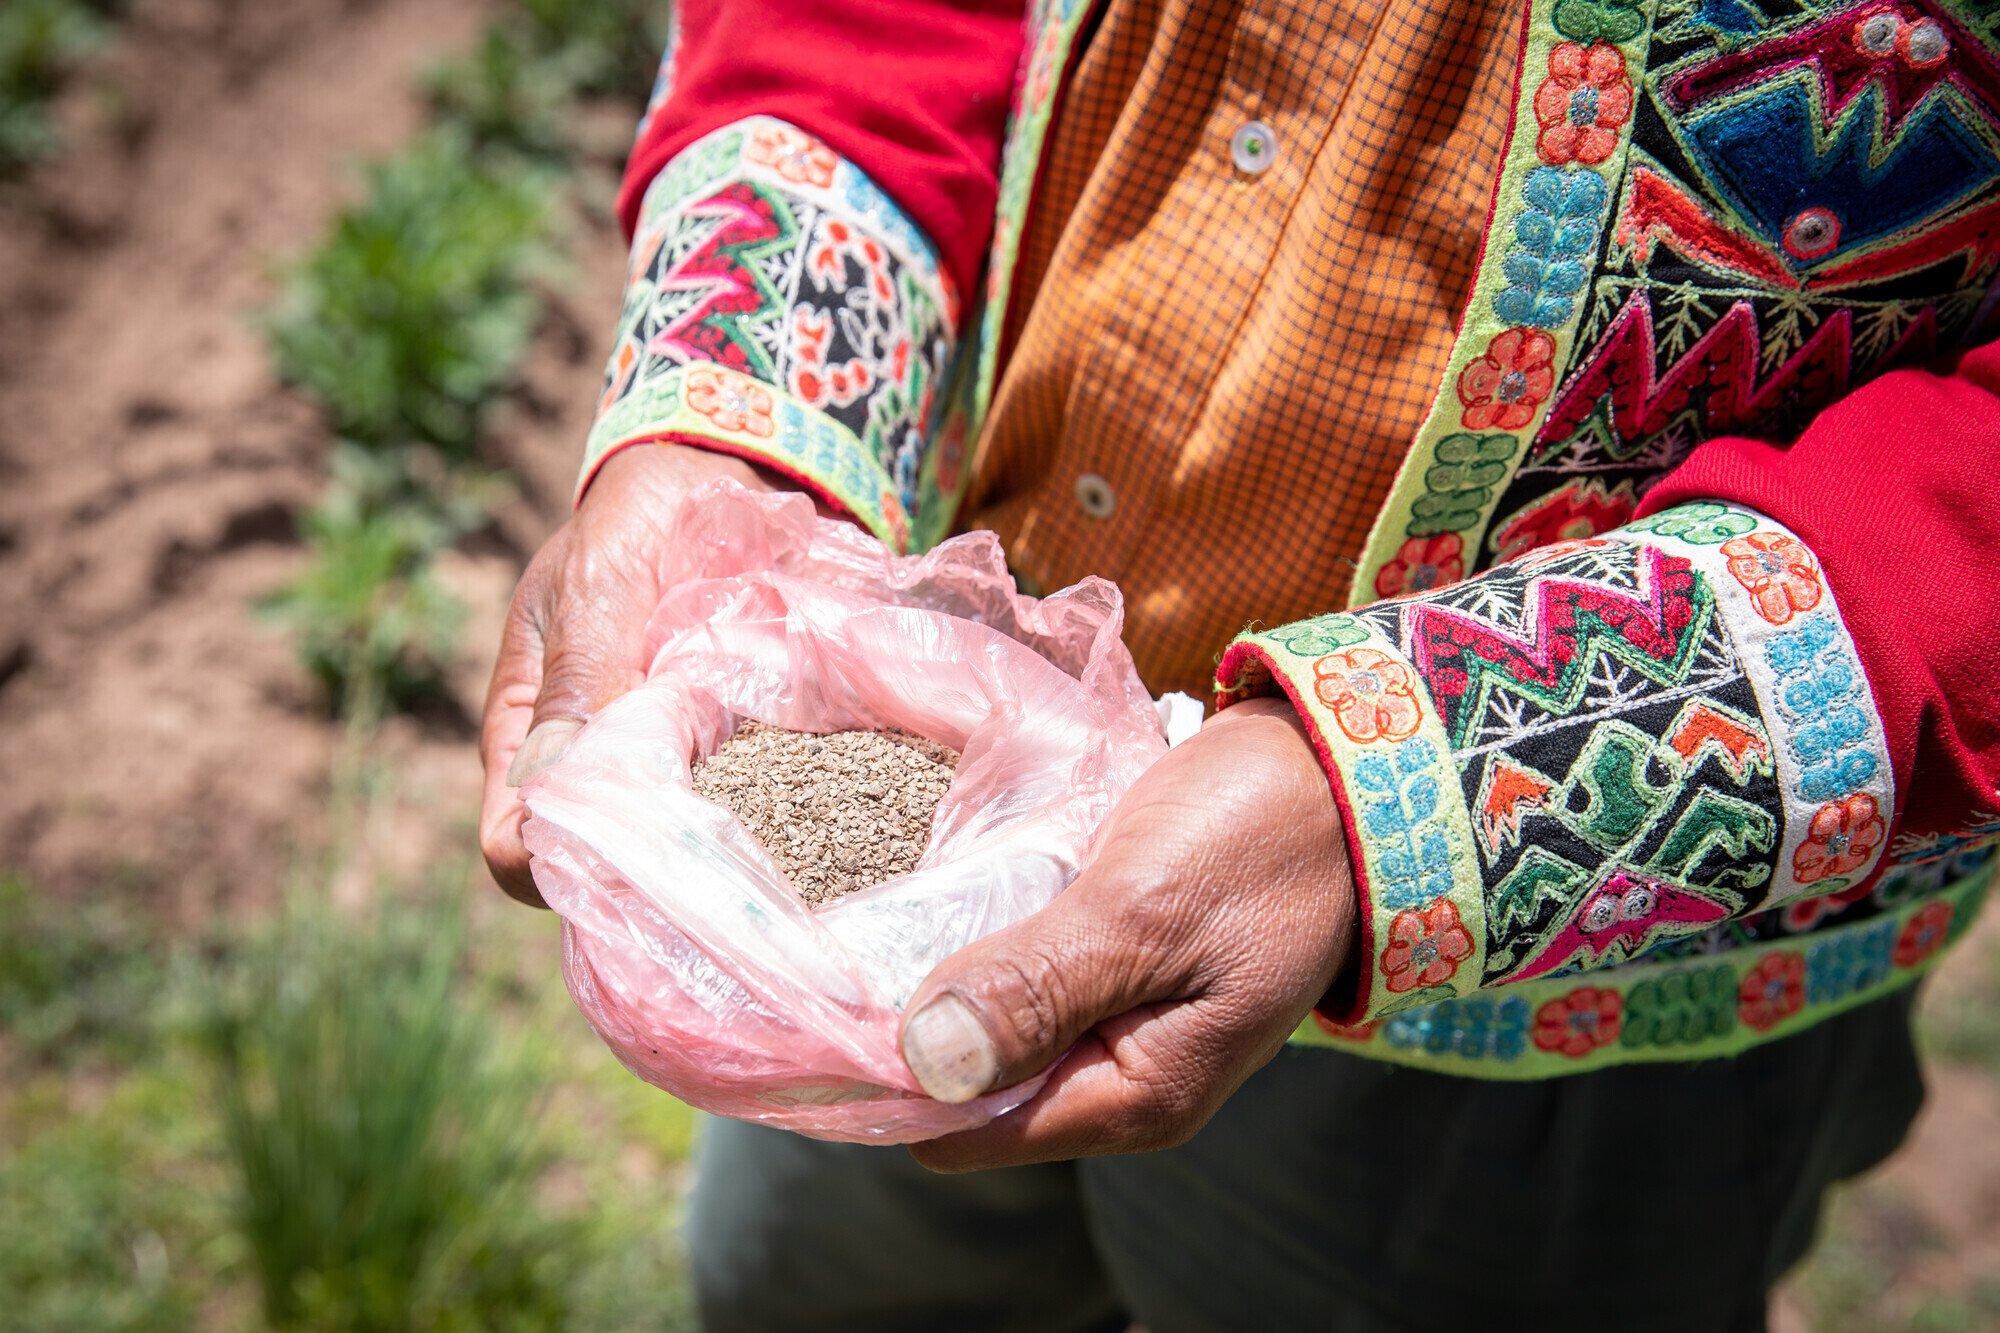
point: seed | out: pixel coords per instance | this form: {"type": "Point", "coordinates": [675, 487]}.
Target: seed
{"type": "Point", "coordinates": [839, 812]}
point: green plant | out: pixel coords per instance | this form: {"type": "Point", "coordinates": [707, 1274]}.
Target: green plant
{"type": "Point", "coordinates": [382, 1130]}
{"type": "Point", "coordinates": [41, 41]}
{"type": "Point", "coordinates": [502, 96]}
{"type": "Point", "coordinates": [76, 979]}
{"type": "Point", "coordinates": [372, 625]}
{"type": "Point", "coordinates": [414, 313]}
{"type": "Point", "coordinates": [606, 47]}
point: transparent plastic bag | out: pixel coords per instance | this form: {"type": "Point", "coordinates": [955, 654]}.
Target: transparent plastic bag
{"type": "Point", "coordinates": [684, 944]}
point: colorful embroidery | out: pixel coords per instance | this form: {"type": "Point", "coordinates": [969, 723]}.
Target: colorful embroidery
{"type": "Point", "coordinates": [1582, 104]}
{"type": "Point", "coordinates": [1508, 382]}
{"type": "Point", "coordinates": [1805, 197]}
{"type": "Point", "coordinates": [1841, 840]}
{"type": "Point", "coordinates": [1781, 574]}
{"type": "Point", "coordinates": [1372, 696]}
{"type": "Point", "coordinates": [1397, 800]}
{"type": "Point", "coordinates": [1425, 948]}
{"type": "Point", "coordinates": [1821, 692]}
{"type": "Point", "coordinates": [767, 271]}
{"type": "Point", "coordinates": [1423, 563]}
{"type": "Point", "coordinates": [1681, 1008]}
{"type": "Point", "coordinates": [1579, 1022]}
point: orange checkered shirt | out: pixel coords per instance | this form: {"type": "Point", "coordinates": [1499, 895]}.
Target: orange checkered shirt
{"type": "Point", "coordinates": [1219, 370]}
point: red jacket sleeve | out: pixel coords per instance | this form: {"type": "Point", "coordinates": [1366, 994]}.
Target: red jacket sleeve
{"type": "Point", "coordinates": [914, 92]}
{"type": "Point", "coordinates": [1895, 488]}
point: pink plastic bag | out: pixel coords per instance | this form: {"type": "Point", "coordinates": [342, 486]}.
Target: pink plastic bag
{"type": "Point", "coordinates": [685, 946]}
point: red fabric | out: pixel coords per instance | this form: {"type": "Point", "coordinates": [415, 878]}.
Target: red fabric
{"type": "Point", "coordinates": [1896, 489]}
{"type": "Point", "coordinates": [914, 92]}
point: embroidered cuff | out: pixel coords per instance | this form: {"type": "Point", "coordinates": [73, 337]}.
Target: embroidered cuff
{"type": "Point", "coordinates": [779, 306]}
{"type": "Point", "coordinates": [1587, 753]}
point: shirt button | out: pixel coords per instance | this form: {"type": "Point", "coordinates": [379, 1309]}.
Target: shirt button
{"type": "Point", "coordinates": [1253, 148]}
{"type": "Point", "coordinates": [1094, 494]}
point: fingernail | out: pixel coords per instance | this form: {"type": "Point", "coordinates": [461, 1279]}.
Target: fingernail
{"type": "Point", "coordinates": [946, 1047]}
{"type": "Point", "coordinates": [543, 746]}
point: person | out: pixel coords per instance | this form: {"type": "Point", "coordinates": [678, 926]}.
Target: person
{"type": "Point", "coordinates": [1528, 944]}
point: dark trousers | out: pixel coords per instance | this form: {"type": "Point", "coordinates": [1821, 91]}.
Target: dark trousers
{"type": "Point", "coordinates": [1335, 1193]}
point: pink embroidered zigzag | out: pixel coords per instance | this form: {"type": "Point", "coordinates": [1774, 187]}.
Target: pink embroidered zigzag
{"type": "Point", "coordinates": [1724, 360]}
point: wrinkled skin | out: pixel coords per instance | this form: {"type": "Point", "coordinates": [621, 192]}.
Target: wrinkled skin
{"type": "Point", "coordinates": [1218, 907]}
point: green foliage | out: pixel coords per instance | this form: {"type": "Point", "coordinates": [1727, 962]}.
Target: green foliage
{"type": "Point", "coordinates": [40, 43]}
{"type": "Point", "coordinates": [383, 1134]}
{"type": "Point", "coordinates": [81, 1249]}
{"type": "Point", "coordinates": [76, 979]}
{"type": "Point", "coordinates": [606, 47]}
{"type": "Point", "coordinates": [414, 313]}
{"type": "Point", "coordinates": [502, 97]}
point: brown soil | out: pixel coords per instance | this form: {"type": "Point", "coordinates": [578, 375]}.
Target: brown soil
{"type": "Point", "coordinates": [151, 468]}
{"type": "Point", "coordinates": [841, 811]}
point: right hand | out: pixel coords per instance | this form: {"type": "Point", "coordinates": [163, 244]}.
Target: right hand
{"type": "Point", "coordinates": [575, 634]}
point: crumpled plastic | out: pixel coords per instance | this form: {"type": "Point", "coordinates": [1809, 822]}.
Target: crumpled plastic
{"type": "Point", "coordinates": [683, 943]}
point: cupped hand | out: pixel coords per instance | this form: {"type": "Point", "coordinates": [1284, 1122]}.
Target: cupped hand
{"type": "Point", "coordinates": [1217, 910]}
{"type": "Point", "coordinates": [575, 633]}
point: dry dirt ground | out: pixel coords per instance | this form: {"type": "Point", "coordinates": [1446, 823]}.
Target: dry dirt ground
{"type": "Point", "coordinates": [151, 468]}
{"type": "Point", "coordinates": [152, 731]}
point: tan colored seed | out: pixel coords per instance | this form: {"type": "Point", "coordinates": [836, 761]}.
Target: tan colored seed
{"type": "Point", "coordinates": [840, 811]}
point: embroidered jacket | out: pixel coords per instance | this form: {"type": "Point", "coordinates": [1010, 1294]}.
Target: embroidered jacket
{"type": "Point", "coordinates": [1663, 717]}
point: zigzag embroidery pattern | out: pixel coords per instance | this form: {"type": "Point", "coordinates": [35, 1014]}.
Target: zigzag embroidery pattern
{"type": "Point", "coordinates": [729, 287]}
{"type": "Point", "coordinates": [1568, 624]}
{"type": "Point", "coordinates": [1723, 361]}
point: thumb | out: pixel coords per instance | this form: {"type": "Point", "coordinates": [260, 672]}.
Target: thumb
{"type": "Point", "coordinates": [593, 637]}
{"type": "Point", "coordinates": [1008, 1006]}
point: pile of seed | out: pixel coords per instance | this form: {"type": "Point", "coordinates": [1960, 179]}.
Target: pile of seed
{"type": "Point", "coordinates": [839, 812]}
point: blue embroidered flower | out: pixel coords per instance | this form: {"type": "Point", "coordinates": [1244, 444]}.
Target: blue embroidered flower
{"type": "Point", "coordinates": [1477, 1028]}
{"type": "Point", "coordinates": [1841, 966]}
{"type": "Point", "coordinates": [1554, 238]}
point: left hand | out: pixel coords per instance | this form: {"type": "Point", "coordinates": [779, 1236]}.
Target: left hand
{"type": "Point", "coordinates": [1218, 909]}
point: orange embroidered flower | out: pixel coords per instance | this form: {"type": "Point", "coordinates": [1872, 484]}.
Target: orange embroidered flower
{"type": "Point", "coordinates": [731, 401]}
{"type": "Point", "coordinates": [1580, 1021]}
{"type": "Point", "coordinates": [1372, 695]}
{"type": "Point", "coordinates": [1839, 839]}
{"type": "Point", "coordinates": [1425, 948]}
{"type": "Point", "coordinates": [1923, 934]}
{"type": "Point", "coordinates": [898, 521]}
{"type": "Point", "coordinates": [1780, 573]}
{"type": "Point", "coordinates": [1582, 103]}
{"type": "Point", "coordinates": [1773, 990]}
{"type": "Point", "coordinates": [1505, 386]}
{"type": "Point", "coordinates": [794, 155]}
{"type": "Point", "coordinates": [1423, 563]}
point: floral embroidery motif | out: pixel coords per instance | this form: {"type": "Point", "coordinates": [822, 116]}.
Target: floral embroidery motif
{"type": "Point", "coordinates": [1780, 573]}
{"type": "Point", "coordinates": [1505, 385]}
{"type": "Point", "coordinates": [1841, 839]}
{"type": "Point", "coordinates": [1773, 990]}
{"type": "Point", "coordinates": [1582, 104]}
{"type": "Point", "coordinates": [1599, 20]}
{"type": "Point", "coordinates": [1475, 1028]}
{"type": "Point", "coordinates": [731, 401]}
{"type": "Point", "coordinates": [1923, 934]}
{"type": "Point", "coordinates": [1580, 1022]}
{"type": "Point", "coordinates": [793, 154]}
{"type": "Point", "coordinates": [1423, 564]}
{"type": "Point", "coordinates": [1373, 696]}
{"type": "Point", "coordinates": [1399, 809]}
{"type": "Point", "coordinates": [1425, 948]}
{"type": "Point", "coordinates": [1703, 523]}
{"type": "Point", "coordinates": [1845, 963]}
{"type": "Point", "coordinates": [1681, 1008]}
{"type": "Point", "coordinates": [1555, 238]}
{"type": "Point", "coordinates": [1458, 487]}
{"type": "Point", "coordinates": [1822, 697]}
